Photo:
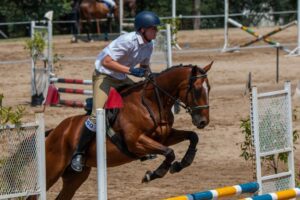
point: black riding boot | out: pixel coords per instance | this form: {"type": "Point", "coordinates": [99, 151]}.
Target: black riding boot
{"type": "Point", "coordinates": [86, 137]}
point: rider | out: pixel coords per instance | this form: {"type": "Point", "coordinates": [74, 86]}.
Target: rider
{"type": "Point", "coordinates": [112, 67]}
{"type": "Point", "coordinates": [111, 5]}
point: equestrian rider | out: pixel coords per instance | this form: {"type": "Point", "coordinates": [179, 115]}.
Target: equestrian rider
{"type": "Point", "coordinates": [111, 6]}
{"type": "Point", "coordinates": [112, 67]}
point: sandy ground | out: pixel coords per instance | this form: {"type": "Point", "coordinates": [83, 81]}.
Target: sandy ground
{"type": "Point", "coordinates": [217, 162]}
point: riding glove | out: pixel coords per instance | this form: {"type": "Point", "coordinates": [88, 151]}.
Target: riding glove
{"type": "Point", "coordinates": [138, 72]}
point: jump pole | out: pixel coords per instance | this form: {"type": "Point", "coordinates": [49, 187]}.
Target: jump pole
{"type": "Point", "coordinates": [263, 37]}
{"type": "Point", "coordinates": [101, 154]}
{"type": "Point", "coordinates": [251, 187]}
{"type": "Point", "coordinates": [226, 14]}
{"type": "Point", "coordinates": [72, 103]}
{"type": "Point", "coordinates": [121, 15]}
{"type": "Point", "coordinates": [75, 91]}
{"type": "Point", "coordinates": [296, 51]}
{"type": "Point", "coordinates": [253, 33]}
{"type": "Point", "coordinates": [71, 81]}
{"type": "Point", "coordinates": [280, 195]}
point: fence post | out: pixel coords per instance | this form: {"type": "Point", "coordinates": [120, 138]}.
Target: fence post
{"type": "Point", "coordinates": [39, 117]}
{"type": "Point", "coordinates": [101, 155]}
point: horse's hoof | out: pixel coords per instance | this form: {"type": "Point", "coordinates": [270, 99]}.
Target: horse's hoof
{"type": "Point", "coordinates": [74, 40]}
{"type": "Point", "coordinates": [175, 167]}
{"type": "Point", "coordinates": [147, 177]}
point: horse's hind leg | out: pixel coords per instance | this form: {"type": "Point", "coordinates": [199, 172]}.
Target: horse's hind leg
{"type": "Point", "coordinates": [71, 182]}
{"type": "Point", "coordinates": [177, 136]}
{"type": "Point", "coordinates": [88, 30]}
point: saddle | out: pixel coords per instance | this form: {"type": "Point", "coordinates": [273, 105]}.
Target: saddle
{"type": "Point", "coordinates": [116, 138]}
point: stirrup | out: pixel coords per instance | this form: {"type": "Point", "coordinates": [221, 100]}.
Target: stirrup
{"type": "Point", "coordinates": [77, 162]}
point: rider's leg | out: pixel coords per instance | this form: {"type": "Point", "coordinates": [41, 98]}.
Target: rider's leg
{"type": "Point", "coordinates": [101, 86]}
{"type": "Point", "coordinates": [88, 133]}
{"type": "Point", "coordinates": [89, 129]}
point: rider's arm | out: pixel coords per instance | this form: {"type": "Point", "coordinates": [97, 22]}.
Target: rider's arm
{"type": "Point", "coordinates": [111, 64]}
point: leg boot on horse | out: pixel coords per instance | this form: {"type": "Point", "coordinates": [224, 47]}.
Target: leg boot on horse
{"type": "Point", "coordinates": [86, 137]}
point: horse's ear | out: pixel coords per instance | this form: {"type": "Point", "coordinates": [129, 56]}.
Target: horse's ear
{"type": "Point", "coordinates": [207, 67]}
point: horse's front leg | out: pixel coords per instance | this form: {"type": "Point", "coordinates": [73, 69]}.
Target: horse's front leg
{"type": "Point", "coordinates": [178, 136]}
{"type": "Point", "coordinates": [146, 145]}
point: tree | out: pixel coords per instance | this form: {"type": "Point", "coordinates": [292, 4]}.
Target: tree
{"type": "Point", "coordinates": [197, 12]}
{"type": "Point", "coordinates": [27, 10]}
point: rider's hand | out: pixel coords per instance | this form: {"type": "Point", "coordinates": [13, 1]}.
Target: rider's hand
{"type": "Point", "coordinates": [138, 72]}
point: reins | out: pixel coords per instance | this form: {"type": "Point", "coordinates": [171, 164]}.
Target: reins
{"type": "Point", "coordinates": [188, 108]}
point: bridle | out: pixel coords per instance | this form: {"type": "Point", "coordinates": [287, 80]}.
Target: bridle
{"type": "Point", "coordinates": [192, 79]}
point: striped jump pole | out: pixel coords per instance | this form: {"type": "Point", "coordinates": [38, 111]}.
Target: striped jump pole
{"type": "Point", "coordinates": [280, 195]}
{"type": "Point", "coordinates": [75, 91]}
{"type": "Point", "coordinates": [71, 81]}
{"type": "Point", "coordinates": [265, 36]}
{"type": "Point", "coordinates": [253, 33]}
{"type": "Point", "coordinates": [72, 103]}
{"type": "Point", "coordinates": [251, 187]}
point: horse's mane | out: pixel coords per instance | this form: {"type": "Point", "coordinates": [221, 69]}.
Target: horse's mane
{"type": "Point", "coordinates": [126, 90]}
{"type": "Point", "coordinates": [181, 66]}
{"type": "Point", "coordinates": [175, 67]}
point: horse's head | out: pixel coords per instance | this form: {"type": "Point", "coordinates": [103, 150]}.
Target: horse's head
{"type": "Point", "coordinates": [196, 96]}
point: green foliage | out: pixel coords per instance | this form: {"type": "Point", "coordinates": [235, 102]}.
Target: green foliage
{"type": "Point", "coordinates": [175, 24]}
{"type": "Point", "coordinates": [36, 45]}
{"type": "Point", "coordinates": [247, 147]}
{"type": "Point", "coordinates": [23, 10]}
{"type": "Point", "coordinates": [33, 10]}
{"type": "Point", "coordinates": [8, 115]}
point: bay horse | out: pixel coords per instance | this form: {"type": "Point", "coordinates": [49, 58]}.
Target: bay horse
{"type": "Point", "coordinates": [130, 5]}
{"type": "Point", "coordinates": [144, 124]}
{"type": "Point", "coordinates": [96, 10]}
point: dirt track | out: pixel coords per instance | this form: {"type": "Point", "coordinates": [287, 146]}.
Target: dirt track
{"type": "Point", "coordinates": [217, 162]}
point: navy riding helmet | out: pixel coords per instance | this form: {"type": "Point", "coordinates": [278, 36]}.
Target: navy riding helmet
{"type": "Point", "coordinates": [146, 19]}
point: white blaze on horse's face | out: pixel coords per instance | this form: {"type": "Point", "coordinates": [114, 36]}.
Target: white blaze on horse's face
{"type": "Point", "coordinates": [206, 88]}
{"type": "Point", "coordinates": [200, 114]}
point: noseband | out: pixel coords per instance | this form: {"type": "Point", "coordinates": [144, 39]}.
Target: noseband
{"type": "Point", "coordinates": [192, 79]}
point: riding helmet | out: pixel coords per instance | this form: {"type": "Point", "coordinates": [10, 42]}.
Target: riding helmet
{"type": "Point", "coordinates": [146, 19]}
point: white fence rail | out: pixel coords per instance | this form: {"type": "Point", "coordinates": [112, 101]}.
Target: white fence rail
{"type": "Point", "coordinates": [271, 121]}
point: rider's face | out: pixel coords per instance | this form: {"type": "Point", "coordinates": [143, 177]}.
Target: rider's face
{"type": "Point", "coordinates": [150, 33]}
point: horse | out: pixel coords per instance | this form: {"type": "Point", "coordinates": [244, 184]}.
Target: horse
{"type": "Point", "coordinates": [144, 124]}
{"type": "Point", "coordinates": [130, 5]}
{"type": "Point", "coordinates": [95, 10]}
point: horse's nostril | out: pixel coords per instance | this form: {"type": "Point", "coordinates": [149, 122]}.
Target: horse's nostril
{"type": "Point", "coordinates": [202, 123]}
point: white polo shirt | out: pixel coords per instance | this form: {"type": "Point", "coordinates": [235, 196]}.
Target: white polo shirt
{"type": "Point", "coordinates": [128, 49]}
